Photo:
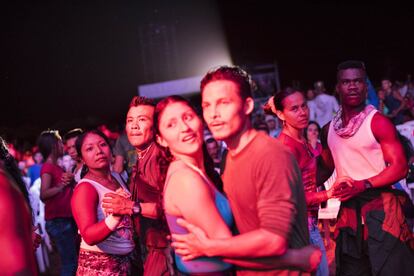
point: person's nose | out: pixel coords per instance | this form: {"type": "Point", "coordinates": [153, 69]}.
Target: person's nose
{"type": "Point", "coordinates": [352, 85]}
{"type": "Point", "coordinates": [216, 112]}
{"type": "Point", "coordinates": [184, 126]}
{"type": "Point", "coordinates": [135, 124]}
{"type": "Point", "coordinates": [99, 149]}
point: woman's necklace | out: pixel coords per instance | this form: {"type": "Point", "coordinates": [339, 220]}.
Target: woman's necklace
{"type": "Point", "coordinates": [302, 141]}
{"type": "Point", "coordinates": [143, 153]}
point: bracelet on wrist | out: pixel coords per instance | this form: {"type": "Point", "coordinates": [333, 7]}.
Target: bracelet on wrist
{"type": "Point", "coordinates": [111, 222]}
{"type": "Point", "coordinates": [367, 184]}
{"type": "Point", "coordinates": [136, 208]}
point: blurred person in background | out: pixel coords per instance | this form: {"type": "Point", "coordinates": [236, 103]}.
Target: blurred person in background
{"type": "Point", "coordinates": [56, 192]}
{"type": "Point", "coordinates": [34, 170]}
{"type": "Point", "coordinates": [312, 135]}
{"type": "Point", "coordinates": [70, 141]}
{"type": "Point", "coordinates": [326, 105]}
{"type": "Point", "coordinates": [393, 101]}
{"type": "Point", "coordinates": [272, 125]}
{"type": "Point", "coordinates": [219, 159]}
{"type": "Point", "coordinates": [125, 155]}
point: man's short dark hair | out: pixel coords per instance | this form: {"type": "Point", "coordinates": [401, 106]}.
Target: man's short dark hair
{"type": "Point", "coordinates": [139, 100]}
{"type": "Point", "coordinates": [231, 73]}
{"type": "Point", "coordinates": [211, 140]}
{"type": "Point", "coordinates": [72, 134]}
{"type": "Point", "coordinates": [350, 64]}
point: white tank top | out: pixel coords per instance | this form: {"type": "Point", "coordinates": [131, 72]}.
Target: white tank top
{"type": "Point", "coordinates": [120, 241]}
{"type": "Point", "coordinates": [359, 156]}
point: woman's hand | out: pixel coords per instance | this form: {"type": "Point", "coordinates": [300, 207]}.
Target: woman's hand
{"type": "Point", "coordinates": [67, 178]}
{"type": "Point", "coordinates": [36, 238]}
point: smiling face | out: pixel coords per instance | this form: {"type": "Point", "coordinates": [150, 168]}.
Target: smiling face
{"type": "Point", "coordinates": [180, 129]}
{"type": "Point", "coordinates": [224, 110]}
{"type": "Point", "coordinates": [352, 87]}
{"type": "Point", "coordinates": [139, 126]}
{"type": "Point", "coordinates": [96, 153]}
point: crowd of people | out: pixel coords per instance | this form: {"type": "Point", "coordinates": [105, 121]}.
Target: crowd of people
{"type": "Point", "coordinates": [231, 191]}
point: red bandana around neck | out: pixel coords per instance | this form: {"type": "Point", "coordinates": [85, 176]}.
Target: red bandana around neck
{"type": "Point", "coordinates": [353, 125]}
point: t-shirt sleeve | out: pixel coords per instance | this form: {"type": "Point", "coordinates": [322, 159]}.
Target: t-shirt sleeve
{"type": "Point", "coordinates": [278, 175]}
{"type": "Point", "coordinates": [46, 168]}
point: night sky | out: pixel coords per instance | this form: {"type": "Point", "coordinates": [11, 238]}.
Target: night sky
{"type": "Point", "coordinates": [68, 63]}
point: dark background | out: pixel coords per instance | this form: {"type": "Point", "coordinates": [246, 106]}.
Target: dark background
{"type": "Point", "coordinates": [71, 63]}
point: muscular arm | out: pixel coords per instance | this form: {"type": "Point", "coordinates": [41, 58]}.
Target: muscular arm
{"type": "Point", "coordinates": [84, 202]}
{"type": "Point", "coordinates": [386, 134]}
{"type": "Point", "coordinates": [393, 153]}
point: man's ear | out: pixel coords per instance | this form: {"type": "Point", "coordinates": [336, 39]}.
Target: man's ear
{"type": "Point", "coordinates": [248, 106]}
{"type": "Point", "coordinates": [161, 141]}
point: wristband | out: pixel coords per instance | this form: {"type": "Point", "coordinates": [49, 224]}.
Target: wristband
{"type": "Point", "coordinates": [111, 222]}
{"type": "Point", "coordinates": [367, 184]}
{"type": "Point", "coordinates": [136, 208]}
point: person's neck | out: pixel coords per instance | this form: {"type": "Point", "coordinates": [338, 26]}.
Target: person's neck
{"type": "Point", "coordinates": [196, 160]}
{"type": "Point", "coordinates": [51, 159]}
{"type": "Point", "coordinates": [101, 173]}
{"type": "Point", "coordinates": [348, 112]}
{"type": "Point", "coordinates": [142, 152]}
{"type": "Point", "coordinates": [79, 164]}
{"type": "Point", "coordinates": [313, 143]}
{"type": "Point", "coordinates": [294, 133]}
{"type": "Point", "coordinates": [238, 142]}
{"type": "Point", "coordinates": [144, 147]}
